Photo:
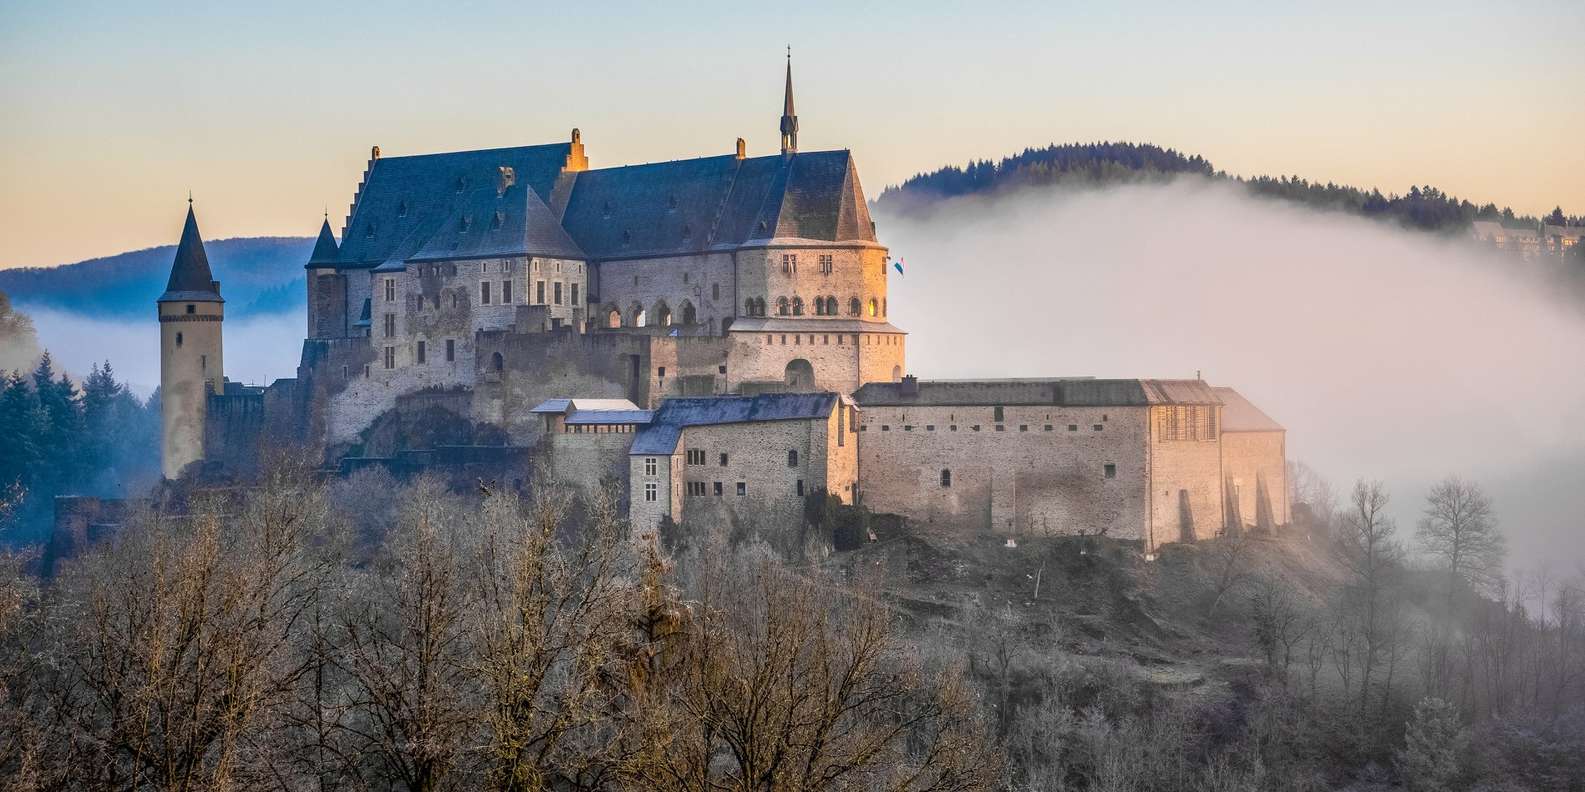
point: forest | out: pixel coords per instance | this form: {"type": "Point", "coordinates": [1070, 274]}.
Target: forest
{"type": "Point", "coordinates": [366, 633]}
{"type": "Point", "coordinates": [1101, 164]}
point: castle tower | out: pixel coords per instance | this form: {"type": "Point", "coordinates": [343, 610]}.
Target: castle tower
{"type": "Point", "coordinates": [191, 312]}
{"type": "Point", "coordinates": [789, 117]}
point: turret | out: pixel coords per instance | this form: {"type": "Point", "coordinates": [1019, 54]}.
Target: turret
{"type": "Point", "coordinates": [190, 312]}
{"type": "Point", "coordinates": [789, 117]}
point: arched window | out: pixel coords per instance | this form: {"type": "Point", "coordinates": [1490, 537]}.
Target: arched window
{"type": "Point", "coordinates": [831, 305]}
{"type": "Point", "coordinates": [613, 317]}
{"type": "Point", "coordinates": [497, 362]}
{"type": "Point", "coordinates": [946, 477]}
{"type": "Point", "coordinates": [748, 307]}
{"type": "Point", "coordinates": [873, 306]}
{"type": "Point", "coordinates": [820, 306]}
{"type": "Point", "coordinates": [781, 306]}
{"type": "Point", "coordinates": [689, 316]}
{"type": "Point", "coordinates": [792, 457]}
{"type": "Point", "coordinates": [662, 314]}
{"type": "Point", "coordinates": [853, 307]}
{"type": "Point", "coordinates": [637, 312]}
{"type": "Point", "coordinates": [798, 306]}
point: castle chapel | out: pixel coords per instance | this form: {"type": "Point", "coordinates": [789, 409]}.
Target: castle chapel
{"type": "Point", "coordinates": [706, 313]}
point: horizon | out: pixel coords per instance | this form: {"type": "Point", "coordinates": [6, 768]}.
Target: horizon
{"type": "Point", "coordinates": [269, 121]}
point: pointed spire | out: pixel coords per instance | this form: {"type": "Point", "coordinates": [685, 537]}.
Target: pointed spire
{"type": "Point", "coordinates": [325, 249]}
{"type": "Point", "coordinates": [789, 116]}
{"type": "Point", "coordinates": [190, 276]}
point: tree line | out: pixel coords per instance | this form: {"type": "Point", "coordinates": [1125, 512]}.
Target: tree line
{"type": "Point", "coordinates": [1106, 163]}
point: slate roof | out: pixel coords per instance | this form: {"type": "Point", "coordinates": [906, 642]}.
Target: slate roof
{"type": "Point", "coordinates": [494, 223]}
{"type": "Point", "coordinates": [565, 405]}
{"type": "Point", "coordinates": [1241, 415]}
{"type": "Point", "coordinates": [406, 199]}
{"type": "Point", "coordinates": [586, 417]}
{"type": "Point", "coordinates": [191, 280]}
{"type": "Point", "coordinates": [800, 324]}
{"type": "Point", "coordinates": [667, 423]}
{"type": "Point", "coordinates": [325, 249]}
{"type": "Point", "coordinates": [1074, 392]}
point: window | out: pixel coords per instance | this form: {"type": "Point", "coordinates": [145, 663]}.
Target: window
{"type": "Point", "coordinates": [854, 308]}
{"type": "Point", "coordinates": [797, 306]}
{"type": "Point", "coordinates": [696, 456]}
{"type": "Point", "coordinates": [742, 488]}
{"type": "Point", "coordinates": [715, 291]}
{"type": "Point", "coordinates": [1073, 427]}
{"type": "Point", "coordinates": [650, 489]}
{"type": "Point", "coordinates": [390, 325]}
{"type": "Point", "coordinates": [178, 340]}
{"type": "Point", "coordinates": [946, 477]}
{"type": "Point", "coordinates": [420, 352]}
{"type": "Point", "coordinates": [484, 293]}
{"type": "Point", "coordinates": [997, 414]}
{"type": "Point", "coordinates": [1048, 427]}
{"type": "Point", "coordinates": [789, 264]}
{"type": "Point", "coordinates": [1023, 427]}
{"type": "Point", "coordinates": [556, 292]}
{"type": "Point", "coordinates": [506, 291]}
{"type": "Point", "coordinates": [792, 458]}
{"type": "Point", "coordinates": [574, 300]}
{"type": "Point", "coordinates": [539, 292]}
{"type": "Point", "coordinates": [1110, 470]}
{"type": "Point", "coordinates": [451, 350]}
{"type": "Point", "coordinates": [696, 488]}
{"type": "Point", "coordinates": [203, 362]}
{"type": "Point", "coordinates": [782, 306]}
{"type": "Point", "coordinates": [649, 466]}
{"type": "Point", "coordinates": [873, 306]}
{"type": "Point", "coordinates": [800, 488]}
{"type": "Point", "coordinates": [723, 460]}
{"type": "Point", "coordinates": [192, 308]}
{"type": "Point", "coordinates": [390, 290]}
{"type": "Point", "coordinates": [661, 372]}
{"type": "Point", "coordinates": [390, 357]}
{"type": "Point", "coordinates": [1099, 427]}
{"type": "Point", "coordinates": [825, 265]}
{"type": "Point", "coordinates": [496, 361]}
{"type": "Point", "coordinates": [718, 489]}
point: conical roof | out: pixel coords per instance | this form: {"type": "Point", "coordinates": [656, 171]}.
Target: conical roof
{"type": "Point", "coordinates": [325, 249]}
{"type": "Point", "coordinates": [191, 280]}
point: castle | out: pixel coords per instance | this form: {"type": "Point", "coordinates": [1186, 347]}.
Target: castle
{"type": "Point", "coordinates": [712, 333]}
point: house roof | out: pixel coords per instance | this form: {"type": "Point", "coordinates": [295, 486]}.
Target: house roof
{"type": "Point", "coordinates": [191, 280]}
{"type": "Point", "coordinates": [565, 406]}
{"type": "Point", "coordinates": [1241, 415]}
{"type": "Point", "coordinates": [1070, 392]}
{"type": "Point", "coordinates": [674, 415]}
{"type": "Point", "coordinates": [585, 417]}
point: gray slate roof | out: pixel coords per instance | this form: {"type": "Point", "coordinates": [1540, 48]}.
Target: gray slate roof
{"type": "Point", "coordinates": [325, 249]}
{"type": "Point", "coordinates": [1241, 415]}
{"type": "Point", "coordinates": [803, 324]}
{"type": "Point", "coordinates": [604, 417]}
{"type": "Point", "coordinates": [1075, 392]}
{"type": "Point", "coordinates": [660, 209]}
{"type": "Point", "coordinates": [191, 280]}
{"type": "Point", "coordinates": [491, 223]}
{"type": "Point", "coordinates": [666, 425]}
{"type": "Point", "coordinates": [406, 199]}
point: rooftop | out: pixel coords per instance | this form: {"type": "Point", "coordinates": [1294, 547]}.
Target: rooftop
{"type": "Point", "coordinates": [1061, 392]}
{"type": "Point", "coordinates": [665, 427]}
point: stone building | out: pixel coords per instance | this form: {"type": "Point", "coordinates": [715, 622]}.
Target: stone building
{"type": "Point", "coordinates": [586, 440]}
{"type": "Point", "coordinates": [742, 460]}
{"type": "Point", "coordinates": [191, 369]}
{"type": "Point", "coordinates": [1254, 464]}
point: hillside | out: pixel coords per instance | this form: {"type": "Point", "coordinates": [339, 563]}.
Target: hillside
{"type": "Point", "coordinates": [1100, 164]}
{"type": "Point", "coordinates": [258, 275]}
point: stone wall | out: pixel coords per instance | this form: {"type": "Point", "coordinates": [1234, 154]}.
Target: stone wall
{"type": "Point", "coordinates": [1039, 471]}
{"type": "Point", "coordinates": [858, 272]}
{"type": "Point", "coordinates": [757, 456]}
{"type": "Point", "coordinates": [707, 282]}
{"type": "Point", "coordinates": [327, 304]}
{"type": "Point", "coordinates": [582, 459]}
{"type": "Point", "coordinates": [1252, 461]}
{"type": "Point", "coordinates": [1186, 494]}
{"type": "Point", "coordinates": [841, 361]}
{"type": "Point", "coordinates": [656, 482]}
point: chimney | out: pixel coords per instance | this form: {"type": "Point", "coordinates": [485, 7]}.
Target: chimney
{"type": "Point", "coordinates": [374, 153]}
{"type": "Point", "coordinates": [576, 161]}
{"type": "Point", "coordinates": [741, 148]}
{"type": "Point", "coordinates": [909, 386]}
{"type": "Point", "coordinates": [505, 178]}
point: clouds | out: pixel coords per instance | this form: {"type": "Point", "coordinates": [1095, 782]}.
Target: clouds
{"type": "Point", "coordinates": [1387, 354]}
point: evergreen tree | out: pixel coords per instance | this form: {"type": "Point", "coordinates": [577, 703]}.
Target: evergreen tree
{"type": "Point", "coordinates": [1434, 740]}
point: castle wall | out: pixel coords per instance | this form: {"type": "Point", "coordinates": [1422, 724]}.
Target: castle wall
{"type": "Point", "coordinates": [656, 483]}
{"type": "Point", "coordinates": [857, 272]}
{"type": "Point", "coordinates": [582, 460]}
{"type": "Point", "coordinates": [1253, 459]}
{"type": "Point", "coordinates": [1186, 478]}
{"type": "Point", "coordinates": [706, 281]}
{"type": "Point", "coordinates": [327, 304]}
{"type": "Point", "coordinates": [841, 361]}
{"type": "Point", "coordinates": [1034, 476]}
{"type": "Point", "coordinates": [540, 366]}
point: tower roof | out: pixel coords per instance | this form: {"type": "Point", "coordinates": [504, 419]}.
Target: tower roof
{"type": "Point", "coordinates": [787, 97]}
{"type": "Point", "coordinates": [325, 249]}
{"type": "Point", "coordinates": [191, 280]}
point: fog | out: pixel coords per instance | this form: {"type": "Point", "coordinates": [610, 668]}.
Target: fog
{"type": "Point", "coordinates": [1386, 353]}
{"type": "Point", "coordinates": [258, 349]}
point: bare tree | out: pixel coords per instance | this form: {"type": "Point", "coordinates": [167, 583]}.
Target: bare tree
{"type": "Point", "coordinates": [1366, 547]}
{"type": "Point", "coordinates": [1278, 624]}
{"type": "Point", "coordinates": [1460, 530]}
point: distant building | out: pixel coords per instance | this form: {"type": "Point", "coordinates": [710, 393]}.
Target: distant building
{"type": "Point", "coordinates": [1529, 242]}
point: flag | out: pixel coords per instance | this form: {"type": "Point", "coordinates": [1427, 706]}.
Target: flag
{"type": "Point", "coordinates": [899, 265]}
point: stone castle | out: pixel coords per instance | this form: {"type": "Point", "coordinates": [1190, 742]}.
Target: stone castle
{"type": "Point", "coordinates": [710, 333]}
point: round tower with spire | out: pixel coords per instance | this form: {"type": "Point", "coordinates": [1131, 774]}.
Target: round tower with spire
{"type": "Point", "coordinates": [191, 312]}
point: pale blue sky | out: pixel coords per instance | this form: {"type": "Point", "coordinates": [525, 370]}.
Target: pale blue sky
{"type": "Point", "coordinates": [113, 111]}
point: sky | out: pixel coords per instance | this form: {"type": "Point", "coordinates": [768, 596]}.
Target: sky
{"type": "Point", "coordinates": [266, 112]}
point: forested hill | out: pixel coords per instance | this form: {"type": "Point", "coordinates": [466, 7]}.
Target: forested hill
{"type": "Point", "coordinates": [257, 275]}
{"type": "Point", "coordinates": [1100, 164]}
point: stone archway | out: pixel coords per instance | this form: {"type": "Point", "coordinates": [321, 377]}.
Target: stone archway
{"type": "Point", "coordinates": [613, 316]}
{"type": "Point", "coordinates": [662, 314]}
{"type": "Point", "coordinates": [689, 315]}
{"type": "Point", "coordinates": [637, 312]}
{"type": "Point", "coordinates": [800, 375]}
{"type": "Point", "coordinates": [897, 373]}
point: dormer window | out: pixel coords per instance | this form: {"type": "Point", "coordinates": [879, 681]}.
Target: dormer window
{"type": "Point", "coordinates": [368, 231]}
{"type": "Point", "coordinates": [495, 222]}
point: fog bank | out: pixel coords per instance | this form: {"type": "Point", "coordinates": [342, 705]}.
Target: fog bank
{"type": "Point", "coordinates": [258, 349]}
{"type": "Point", "coordinates": [1387, 354]}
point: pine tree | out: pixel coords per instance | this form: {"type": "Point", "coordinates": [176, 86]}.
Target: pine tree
{"type": "Point", "coordinates": [1434, 740]}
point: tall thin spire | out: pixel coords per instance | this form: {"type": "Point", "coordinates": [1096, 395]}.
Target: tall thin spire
{"type": "Point", "coordinates": [789, 117]}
